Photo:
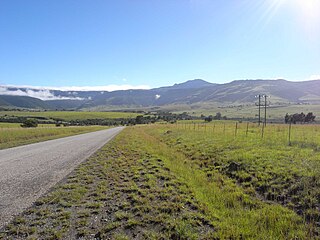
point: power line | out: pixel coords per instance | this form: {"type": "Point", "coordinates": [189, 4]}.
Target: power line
{"type": "Point", "coordinates": [265, 104]}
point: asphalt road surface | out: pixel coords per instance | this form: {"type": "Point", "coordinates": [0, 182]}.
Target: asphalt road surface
{"type": "Point", "coordinates": [29, 171]}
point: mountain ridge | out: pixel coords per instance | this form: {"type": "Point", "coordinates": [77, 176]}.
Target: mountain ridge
{"type": "Point", "coordinates": [189, 92]}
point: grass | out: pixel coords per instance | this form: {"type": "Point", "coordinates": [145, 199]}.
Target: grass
{"type": "Point", "coordinates": [70, 115]}
{"type": "Point", "coordinates": [121, 192]}
{"type": "Point", "coordinates": [171, 182]}
{"type": "Point", "coordinates": [268, 167]}
{"type": "Point", "coordinates": [17, 136]}
{"type": "Point", "coordinates": [246, 110]}
{"type": "Point", "coordinates": [18, 125]}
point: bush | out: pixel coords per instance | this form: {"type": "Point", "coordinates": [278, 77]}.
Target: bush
{"type": "Point", "coordinates": [29, 123]}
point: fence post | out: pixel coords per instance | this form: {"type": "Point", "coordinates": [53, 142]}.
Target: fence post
{"type": "Point", "coordinates": [247, 129]}
{"type": "Point", "coordinates": [262, 131]}
{"type": "Point", "coordinates": [235, 132]}
{"type": "Point", "coordinates": [290, 134]}
{"type": "Point", "coordinates": [224, 128]}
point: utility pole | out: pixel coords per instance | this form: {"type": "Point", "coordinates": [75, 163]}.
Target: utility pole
{"type": "Point", "coordinates": [265, 110]}
{"type": "Point", "coordinates": [259, 105]}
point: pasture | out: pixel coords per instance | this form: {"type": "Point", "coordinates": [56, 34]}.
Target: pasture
{"type": "Point", "coordinates": [12, 135]}
{"type": "Point", "coordinates": [69, 115]}
{"type": "Point", "coordinates": [222, 180]}
{"type": "Point", "coordinates": [274, 112]}
{"type": "Point", "coordinates": [18, 125]}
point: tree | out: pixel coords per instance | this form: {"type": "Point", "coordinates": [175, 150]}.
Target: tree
{"type": "Point", "coordinates": [309, 117]}
{"type": "Point", "coordinates": [29, 123]}
{"type": "Point", "coordinates": [286, 118]}
{"type": "Point", "coordinates": [217, 116]}
{"type": "Point", "coordinates": [208, 119]}
{"type": "Point", "coordinates": [139, 119]}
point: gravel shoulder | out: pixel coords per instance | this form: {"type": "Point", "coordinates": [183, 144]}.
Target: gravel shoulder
{"type": "Point", "coordinates": [27, 172]}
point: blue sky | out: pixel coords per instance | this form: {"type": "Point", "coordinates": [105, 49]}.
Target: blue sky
{"type": "Point", "coordinates": [157, 42]}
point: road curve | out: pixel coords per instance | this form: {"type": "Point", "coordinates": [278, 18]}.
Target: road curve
{"type": "Point", "coordinates": [29, 171]}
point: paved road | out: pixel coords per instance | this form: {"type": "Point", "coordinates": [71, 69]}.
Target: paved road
{"type": "Point", "coordinates": [27, 172]}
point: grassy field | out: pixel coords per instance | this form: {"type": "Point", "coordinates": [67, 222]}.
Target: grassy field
{"type": "Point", "coordinates": [185, 182]}
{"type": "Point", "coordinates": [12, 135]}
{"type": "Point", "coordinates": [261, 160]}
{"type": "Point", "coordinates": [248, 111]}
{"type": "Point", "coordinates": [18, 125]}
{"type": "Point", "coordinates": [70, 115]}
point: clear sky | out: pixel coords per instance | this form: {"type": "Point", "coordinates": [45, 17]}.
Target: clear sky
{"type": "Point", "coordinates": [157, 42]}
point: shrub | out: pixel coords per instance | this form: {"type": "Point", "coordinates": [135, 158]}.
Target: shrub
{"type": "Point", "coordinates": [29, 123]}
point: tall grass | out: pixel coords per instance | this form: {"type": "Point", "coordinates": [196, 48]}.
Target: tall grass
{"type": "Point", "coordinates": [70, 115]}
{"type": "Point", "coordinates": [261, 159]}
{"type": "Point", "coordinates": [12, 137]}
{"type": "Point", "coordinates": [235, 212]}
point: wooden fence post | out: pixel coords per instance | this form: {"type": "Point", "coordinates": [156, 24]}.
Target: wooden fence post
{"type": "Point", "coordinates": [247, 129]}
{"type": "Point", "coordinates": [290, 134]}
{"type": "Point", "coordinates": [262, 131]}
{"type": "Point", "coordinates": [235, 132]}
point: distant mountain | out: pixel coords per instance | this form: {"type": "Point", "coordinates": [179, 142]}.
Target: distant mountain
{"type": "Point", "coordinates": [191, 84]}
{"type": "Point", "coordinates": [22, 102]}
{"type": "Point", "coordinates": [190, 92]}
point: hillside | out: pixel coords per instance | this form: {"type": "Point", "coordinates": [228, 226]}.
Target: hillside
{"type": "Point", "coordinates": [191, 92]}
{"type": "Point", "coordinates": [22, 102]}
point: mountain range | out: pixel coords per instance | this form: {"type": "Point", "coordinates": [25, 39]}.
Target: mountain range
{"type": "Point", "coordinates": [190, 92]}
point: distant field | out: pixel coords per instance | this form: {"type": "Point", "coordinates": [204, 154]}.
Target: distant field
{"type": "Point", "coordinates": [274, 112]}
{"type": "Point", "coordinates": [17, 125]}
{"type": "Point", "coordinates": [15, 136]}
{"type": "Point", "coordinates": [70, 115]}
{"type": "Point", "coordinates": [177, 181]}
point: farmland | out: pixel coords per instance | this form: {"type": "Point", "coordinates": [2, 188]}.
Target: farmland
{"type": "Point", "coordinates": [69, 115]}
{"type": "Point", "coordinates": [12, 135]}
{"type": "Point", "coordinates": [187, 181]}
{"type": "Point", "coordinates": [18, 125]}
{"type": "Point", "coordinates": [274, 112]}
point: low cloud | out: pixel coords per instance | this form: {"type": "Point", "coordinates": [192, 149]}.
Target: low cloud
{"type": "Point", "coordinates": [108, 88]}
{"type": "Point", "coordinates": [314, 77]}
{"type": "Point", "coordinates": [43, 94]}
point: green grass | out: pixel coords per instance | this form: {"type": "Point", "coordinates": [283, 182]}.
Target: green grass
{"type": "Point", "coordinates": [231, 208]}
{"type": "Point", "coordinates": [172, 182]}
{"type": "Point", "coordinates": [247, 111]}
{"type": "Point", "coordinates": [262, 164]}
{"type": "Point", "coordinates": [16, 136]}
{"type": "Point", "coordinates": [119, 193]}
{"type": "Point", "coordinates": [18, 125]}
{"type": "Point", "coordinates": [70, 115]}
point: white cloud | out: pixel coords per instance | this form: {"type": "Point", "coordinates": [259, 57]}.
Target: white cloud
{"type": "Point", "coordinates": [43, 94]}
{"type": "Point", "coordinates": [108, 88]}
{"type": "Point", "coordinates": [314, 77]}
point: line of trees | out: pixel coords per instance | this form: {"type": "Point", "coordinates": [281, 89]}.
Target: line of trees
{"type": "Point", "coordinates": [210, 118]}
{"type": "Point", "coordinates": [299, 118]}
